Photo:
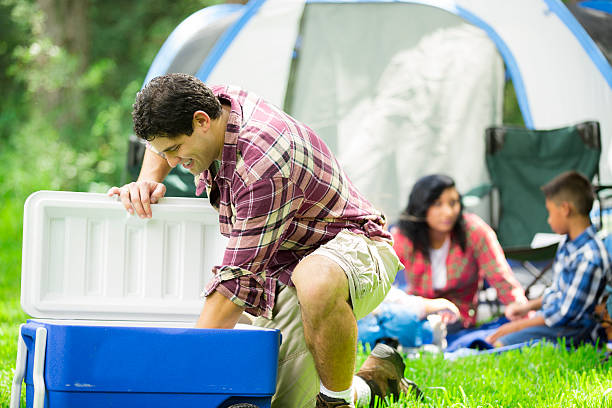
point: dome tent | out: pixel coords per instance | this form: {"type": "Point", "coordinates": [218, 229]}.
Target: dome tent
{"type": "Point", "coordinates": [402, 87]}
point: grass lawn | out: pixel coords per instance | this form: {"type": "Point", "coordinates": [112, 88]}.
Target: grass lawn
{"type": "Point", "coordinates": [11, 315]}
{"type": "Point", "coordinates": [542, 376]}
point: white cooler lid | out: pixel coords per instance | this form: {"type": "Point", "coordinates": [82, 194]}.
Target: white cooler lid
{"type": "Point", "coordinates": [84, 257]}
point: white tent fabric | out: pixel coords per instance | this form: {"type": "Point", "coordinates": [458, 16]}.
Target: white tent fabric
{"type": "Point", "coordinates": [192, 40]}
{"type": "Point", "coordinates": [426, 115]}
{"type": "Point", "coordinates": [392, 110]}
{"type": "Point", "coordinates": [565, 76]}
{"type": "Point", "coordinates": [258, 57]}
{"type": "Point", "coordinates": [559, 74]}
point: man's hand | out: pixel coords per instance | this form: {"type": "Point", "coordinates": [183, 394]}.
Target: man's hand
{"type": "Point", "coordinates": [138, 196]}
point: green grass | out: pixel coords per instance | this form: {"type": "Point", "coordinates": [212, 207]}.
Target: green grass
{"type": "Point", "coordinates": [11, 315]}
{"type": "Point", "coordinates": [542, 376]}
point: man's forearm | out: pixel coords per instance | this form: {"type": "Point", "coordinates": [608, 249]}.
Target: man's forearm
{"type": "Point", "coordinates": [154, 167]}
{"type": "Point", "coordinates": [219, 313]}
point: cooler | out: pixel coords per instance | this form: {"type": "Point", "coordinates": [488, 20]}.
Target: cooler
{"type": "Point", "coordinates": [114, 300]}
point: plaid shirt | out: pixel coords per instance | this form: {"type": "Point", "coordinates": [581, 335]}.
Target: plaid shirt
{"type": "Point", "coordinates": [579, 280]}
{"type": "Point", "coordinates": [280, 194]}
{"type": "Point", "coordinates": [483, 258]}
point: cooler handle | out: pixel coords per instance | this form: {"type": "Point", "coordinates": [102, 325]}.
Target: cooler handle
{"type": "Point", "coordinates": [38, 370]}
{"type": "Point", "coordinates": [20, 367]}
{"type": "Point", "coordinates": [39, 367]}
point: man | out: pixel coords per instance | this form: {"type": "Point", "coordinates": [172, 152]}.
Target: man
{"type": "Point", "coordinates": [307, 254]}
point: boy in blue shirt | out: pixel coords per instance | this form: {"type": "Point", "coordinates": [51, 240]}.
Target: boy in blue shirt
{"type": "Point", "coordinates": [566, 308]}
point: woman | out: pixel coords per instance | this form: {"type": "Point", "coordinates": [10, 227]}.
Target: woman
{"type": "Point", "coordinates": [448, 254]}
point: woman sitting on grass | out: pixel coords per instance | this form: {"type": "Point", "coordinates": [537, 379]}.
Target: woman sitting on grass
{"type": "Point", "coordinates": [447, 253]}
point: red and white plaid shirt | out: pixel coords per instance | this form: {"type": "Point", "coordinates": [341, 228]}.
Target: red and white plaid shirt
{"type": "Point", "coordinates": [280, 194]}
{"type": "Point", "coordinates": [482, 259]}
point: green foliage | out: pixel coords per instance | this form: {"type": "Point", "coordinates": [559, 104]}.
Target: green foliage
{"type": "Point", "coordinates": [65, 116]}
{"type": "Point", "coordinates": [13, 33]}
{"type": "Point", "coordinates": [512, 112]}
{"type": "Point", "coordinates": [11, 315]}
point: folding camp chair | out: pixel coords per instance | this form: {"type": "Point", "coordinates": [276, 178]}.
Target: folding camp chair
{"type": "Point", "coordinates": [520, 161]}
{"type": "Point", "coordinates": [179, 182]}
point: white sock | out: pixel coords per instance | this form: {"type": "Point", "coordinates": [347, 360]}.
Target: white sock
{"type": "Point", "coordinates": [346, 395]}
{"type": "Point", "coordinates": [364, 394]}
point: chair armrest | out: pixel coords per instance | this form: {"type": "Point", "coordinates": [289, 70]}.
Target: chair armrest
{"type": "Point", "coordinates": [472, 197]}
{"type": "Point", "coordinates": [480, 191]}
{"type": "Point", "coordinates": [601, 187]}
{"type": "Point", "coordinates": [531, 254]}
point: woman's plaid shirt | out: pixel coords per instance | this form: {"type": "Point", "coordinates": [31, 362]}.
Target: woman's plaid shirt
{"type": "Point", "coordinates": [280, 194]}
{"type": "Point", "coordinates": [483, 258]}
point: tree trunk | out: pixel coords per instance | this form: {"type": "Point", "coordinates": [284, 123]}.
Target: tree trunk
{"type": "Point", "coordinates": [66, 24]}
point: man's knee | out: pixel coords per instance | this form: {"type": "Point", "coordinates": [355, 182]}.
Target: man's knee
{"type": "Point", "coordinates": [320, 281]}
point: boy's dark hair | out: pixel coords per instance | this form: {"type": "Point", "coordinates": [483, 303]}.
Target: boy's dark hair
{"type": "Point", "coordinates": [165, 106]}
{"type": "Point", "coordinates": [572, 187]}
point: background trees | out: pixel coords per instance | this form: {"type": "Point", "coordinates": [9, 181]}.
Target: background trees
{"type": "Point", "coordinates": [69, 71]}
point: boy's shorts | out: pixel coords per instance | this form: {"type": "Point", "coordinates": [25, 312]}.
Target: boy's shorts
{"type": "Point", "coordinates": [370, 267]}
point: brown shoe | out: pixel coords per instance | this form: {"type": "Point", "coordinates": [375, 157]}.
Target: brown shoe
{"type": "Point", "coordinates": [323, 401]}
{"type": "Point", "coordinates": [383, 371]}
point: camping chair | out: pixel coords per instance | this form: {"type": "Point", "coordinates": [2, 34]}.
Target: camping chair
{"type": "Point", "coordinates": [179, 182]}
{"type": "Point", "coordinates": [520, 161]}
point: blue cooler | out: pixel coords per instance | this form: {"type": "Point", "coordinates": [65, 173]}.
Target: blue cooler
{"type": "Point", "coordinates": [115, 300]}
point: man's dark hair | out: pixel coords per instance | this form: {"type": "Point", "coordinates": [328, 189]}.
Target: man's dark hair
{"type": "Point", "coordinates": [165, 106]}
{"type": "Point", "coordinates": [572, 187]}
{"type": "Point", "coordinates": [412, 222]}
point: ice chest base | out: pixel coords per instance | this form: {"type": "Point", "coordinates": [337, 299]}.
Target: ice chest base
{"type": "Point", "coordinates": [126, 366]}
{"type": "Point", "coordinates": [93, 279]}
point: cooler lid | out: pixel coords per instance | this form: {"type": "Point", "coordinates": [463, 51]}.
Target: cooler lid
{"type": "Point", "coordinates": [85, 257]}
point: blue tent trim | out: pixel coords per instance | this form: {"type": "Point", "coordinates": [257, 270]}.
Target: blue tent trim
{"type": "Point", "coordinates": [511, 64]}
{"type": "Point", "coordinates": [557, 7]}
{"type": "Point", "coordinates": [226, 39]}
{"type": "Point", "coordinates": [600, 5]}
{"type": "Point", "coordinates": [504, 50]}
{"type": "Point", "coordinates": [174, 42]}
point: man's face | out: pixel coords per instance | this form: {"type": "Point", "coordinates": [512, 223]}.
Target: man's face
{"type": "Point", "coordinates": [557, 216]}
{"type": "Point", "coordinates": [194, 152]}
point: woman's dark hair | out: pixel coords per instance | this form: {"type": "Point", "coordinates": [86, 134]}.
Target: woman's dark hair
{"type": "Point", "coordinates": [412, 220]}
{"type": "Point", "coordinates": [165, 106]}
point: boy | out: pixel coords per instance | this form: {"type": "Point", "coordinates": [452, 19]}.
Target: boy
{"type": "Point", "coordinates": [565, 310]}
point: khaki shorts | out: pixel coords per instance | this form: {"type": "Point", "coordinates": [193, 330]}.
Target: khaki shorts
{"type": "Point", "coordinates": [370, 267]}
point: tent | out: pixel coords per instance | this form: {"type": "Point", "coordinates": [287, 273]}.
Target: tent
{"type": "Point", "coordinates": [399, 89]}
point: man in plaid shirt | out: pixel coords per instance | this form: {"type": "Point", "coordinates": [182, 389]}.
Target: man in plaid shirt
{"type": "Point", "coordinates": [566, 308]}
{"type": "Point", "coordinates": [307, 254]}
